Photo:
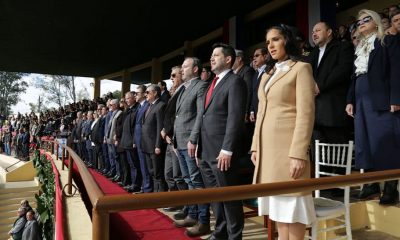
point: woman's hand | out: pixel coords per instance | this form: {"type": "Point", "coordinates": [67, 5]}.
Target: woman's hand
{"type": "Point", "coordinates": [254, 157]}
{"type": "Point", "coordinates": [349, 110]}
{"type": "Point", "coordinates": [297, 167]}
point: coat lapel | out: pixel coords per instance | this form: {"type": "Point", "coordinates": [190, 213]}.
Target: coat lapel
{"type": "Point", "coordinates": [373, 53]}
{"type": "Point", "coordinates": [279, 76]}
{"type": "Point", "coordinates": [185, 93]}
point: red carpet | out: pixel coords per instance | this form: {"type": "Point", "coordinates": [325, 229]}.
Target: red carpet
{"type": "Point", "coordinates": [131, 225]}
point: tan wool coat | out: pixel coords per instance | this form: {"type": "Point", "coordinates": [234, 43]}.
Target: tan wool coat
{"type": "Point", "coordinates": [284, 124]}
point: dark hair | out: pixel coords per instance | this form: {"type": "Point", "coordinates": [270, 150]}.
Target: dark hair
{"type": "Point", "coordinates": [196, 63]}
{"type": "Point", "coordinates": [227, 50]}
{"type": "Point", "coordinates": [396, 12]}
{"type": "Point", "coordinates": [142, 88]}
{"type": "Point", "coordinates": [291, 44]}
{"type": "Point", "coordinates": [163, 83]}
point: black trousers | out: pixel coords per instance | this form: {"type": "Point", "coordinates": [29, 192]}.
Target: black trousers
{"type": "Point", "coordinates": [229, 217]}
{"type": "Point", "coordinates": [155, 165]}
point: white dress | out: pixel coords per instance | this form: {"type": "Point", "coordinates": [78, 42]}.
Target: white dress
{"type": "Point", "coordinates": [287, 209]}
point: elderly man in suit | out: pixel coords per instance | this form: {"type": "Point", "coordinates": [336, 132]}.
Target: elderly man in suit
{"type": "Point", "coordinates": [110, 138]}
{"type": "Point", "coordinates": [186, 134]}
{"type": "Point", "coordinates": [31, 227]}
{"type": "Point", "coordinates": [172, 171]}
{"type": "Point", "coordinates": [147, 185]}
{"type": "Point", "coordinates": [221, 130]}
{"type": "Point", "coordinates": [19, 224]}
{"type": "Point", "coordinates": [151, 137]}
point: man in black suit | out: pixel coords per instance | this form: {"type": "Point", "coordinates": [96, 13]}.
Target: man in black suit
{"type": "Point", "coordinates": [246, 73]}
{"type": "Point", "coordinates": [97, 136]}
{"type": "Point", "coordinates": [151, 136]}
{"type": "Point", "coordinates": [259, 64]}
{"type": "Point", "coordinates": [172, 171]}
{"type": "Point", "coordinates": [127, 143]}
{"type": "Point", "coordinates": [165, 96]}
{"type": "Point", "coordinates": [221, 130]}
{"type": "Point", "coordinates": [332, 63]}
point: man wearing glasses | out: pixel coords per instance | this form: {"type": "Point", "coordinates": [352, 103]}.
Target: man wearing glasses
{"type": "Point", "coordinates": [151, 137]}
{"type": "Point", "coordinates": [259, 64]}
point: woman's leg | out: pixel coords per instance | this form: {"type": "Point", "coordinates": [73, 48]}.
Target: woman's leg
{"type": "Point", "coordinates": [291, 231]}
{"type": "Point", "coordinates": [297, 231]}
{"type": "Point", "coordinates": [283, 230]}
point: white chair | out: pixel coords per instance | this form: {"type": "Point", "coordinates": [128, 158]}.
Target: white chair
{"type": "Point", "coordinates": [338, 156]}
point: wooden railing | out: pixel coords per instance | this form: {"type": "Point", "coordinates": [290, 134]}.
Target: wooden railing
{"type": "Point", "coordinates": [103, 205]}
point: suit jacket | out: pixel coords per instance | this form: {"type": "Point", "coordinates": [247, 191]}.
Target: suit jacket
{"type": "Point", "coordinates": [97, 134]}
{"type": "Point", "coordinates": [170, 110]}
{"type": "Point", "coordinates": [152, 126]}
{"type": "Point", "coordinates": [112, 126]}
{"type": "Point", "coordinates": [247, 74]}
{"type": "Point", "coordinates": [255, 82]}
{"type": "Point", "coordinates": [165, 96]}
{"type": "Point", "coordinates": [18, 228]}
{"type": "Point", "coordinates": [333, 77]}
{"type": "Point", "coordinates": [223, 118]}
{"type": "Point", "coordinates": [284, 124]}
{"type": "Point", "coordinates": [31, 231]}
{"type": "Point", "coordinates": [383, 74]}
{"type": "Point", "coordinates": [189, 108]}
{"type": "Point", "coordinates": [138, 124]}
{"type": "Point", "coordinates": [128, 127]}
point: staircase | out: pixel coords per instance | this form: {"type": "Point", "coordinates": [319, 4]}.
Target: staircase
{"type": "Point", "coordinates": [11, 195]}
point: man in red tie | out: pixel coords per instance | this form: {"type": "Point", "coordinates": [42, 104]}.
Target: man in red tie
{"type": "Point", "coordinates": [221, 130]}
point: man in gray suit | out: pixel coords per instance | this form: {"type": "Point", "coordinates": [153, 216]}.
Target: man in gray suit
{"type": "Point", "coordinates": [186, 134]}
{"type": "Point", "coordinates": [31, 227]}
{"type": "Point", "coordinates": [221, 130]}
{"type": "Point", "coordinates": [19, 224]}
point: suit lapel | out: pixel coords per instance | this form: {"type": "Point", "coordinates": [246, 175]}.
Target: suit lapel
{"type": "Point", "coordinates": [185, 93]}
{"type": "Point", "coordinates": [373, 53]}
{"type": "Point", "coordinates": [217, 88]}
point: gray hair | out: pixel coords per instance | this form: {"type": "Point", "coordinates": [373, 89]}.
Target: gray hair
{"type": "Point", "coordinates": [156, 88]}
{"type": "Point", "coordinates": [114, 101]}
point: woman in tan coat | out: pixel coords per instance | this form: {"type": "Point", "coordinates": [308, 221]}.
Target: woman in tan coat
{"type": "Point", "coordinates": [283, 132]}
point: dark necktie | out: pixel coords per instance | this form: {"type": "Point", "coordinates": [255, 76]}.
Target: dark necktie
{"type": "Point", "coordinates": [148, 110]}
{"type": "Point", "coordinates": [210, 91]}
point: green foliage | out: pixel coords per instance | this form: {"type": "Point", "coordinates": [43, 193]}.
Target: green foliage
{"type": "Point", "coordinates": [11, 87]}
{"type": "Point", "coordinates": [45, 200]}
{"type": "Point", "coordinates": [117, 94]}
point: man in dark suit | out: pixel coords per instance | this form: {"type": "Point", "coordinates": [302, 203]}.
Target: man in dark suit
{"type": "Point", "coordinates": [97, 136]}
{"type": "Point", "coordinates": [189, 109]}
{"type": "Point", "coordinates": [147, 184]}
{"type": "Point", "coordinates": [221, 130]}
{"type": "Point", "coordinates": [127, 143]}
{"type": "Point", "coordinates": [259, 60]}
{"type": "Point", "coordinates": [246, 73]}
{"type": "Point", "coordinates": [172, 171]}
{"type": "Point", "coordinates": [165, 96]}
{"type": "Point", "coordinates": [151, 136]}
{"type": "Point", "coordinates": [332, 63]}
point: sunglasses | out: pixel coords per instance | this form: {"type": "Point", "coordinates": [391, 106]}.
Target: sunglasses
{"type": "Point", "coordinates": [364, 20]}
{"type": "Point", "coordinates": [256, 55]}
{"type": "Point", "coordinates": [173, 75]}
{"type": "Point", "coordinates": [147, 92]}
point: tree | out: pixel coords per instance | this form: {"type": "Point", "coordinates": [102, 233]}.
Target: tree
{"type": "Point", "coordinates": [58, 89]}
{"type": "Point", "coordinates": [11, 87]}
{"type": "Point", "coordinates": [117, 94]}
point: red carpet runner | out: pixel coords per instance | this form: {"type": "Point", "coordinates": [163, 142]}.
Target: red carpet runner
{"type": "Point", "coordinates": [131, 225]}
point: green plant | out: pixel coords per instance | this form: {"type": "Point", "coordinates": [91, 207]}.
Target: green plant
{"type": "Point", "coordinates": [46, 198]}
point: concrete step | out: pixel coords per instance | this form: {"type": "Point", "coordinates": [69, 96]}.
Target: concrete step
{"type": "Point", "coordinates": [15, 205]}
{"type": "Point", "coordinates": [7, 220]}
{"type": "Point", "coordinates": [4, 228]}
{"type": "Point", "coordinates": [19, 189]}
{"type": "Point", "coordinates": [20, 195]}
{"type": "Point", "coordinates": [11, 201]}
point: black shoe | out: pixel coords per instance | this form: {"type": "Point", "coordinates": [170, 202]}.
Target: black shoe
{"type": "Point", "coordinates": [369, 191]}
{"type": "Point", "coordinates": [390, 194]}
{"type": "Point", "coordinates": [180, 215]}
{"type": "Point", "coordinates": [172, 209]}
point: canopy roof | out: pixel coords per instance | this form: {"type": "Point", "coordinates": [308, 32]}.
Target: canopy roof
{"type": "Point", "coordinates": [93, 37]}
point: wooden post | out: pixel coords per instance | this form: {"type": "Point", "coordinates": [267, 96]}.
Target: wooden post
{"type": "Point", "coordinates": [100, 225]}
{"type": "Point", "coordinates": [62, 158]}
{"type": "Point", "coordinates": [70, 166]}
{"type": "Point", "coordinates": [96, 88]}
{"type": "Point", "coordinates": [52, 147]}
{"type": "Point", "coordinates": [57, 146]}
{"type": "Point", "coordinates": [126, 83]}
